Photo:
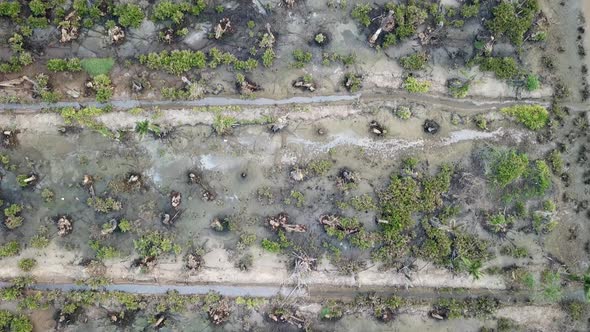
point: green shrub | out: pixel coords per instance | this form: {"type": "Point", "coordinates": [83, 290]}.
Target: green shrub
{"type": "Point", "coordinates": [503, 68]}
{"type": "Point", "coordinates": [103, 88]}
{"type": "Point", "coordinates": [27, 264]}
{"type": "Point", "coordinates": [513, 19]}
{"type": "Point", "coordinates": [38, 7]}
{"type": "Point", "coordinates": [532, 82]}
{"type": "Point", "coordinates": [104, 205]}
{"type": "Point", "coordinates": [540, 178]}
{"type": "Point", "coordinates": [534, 117]}
{"type": "Point", "coordinates": [8, 249]}
{"type": "Point", "coordinates": [499, 223]}
{"type": "Point", "coordinates": [416, 61]}
{"type": "Point", "coordinates": [223, 124]}
{"type": "Point", "coordinates": [556, 161]}
{"type": "Point", "coordinates": [10, 9]}
{"type": "Point", "coordinates": [12, 216]}
{"type": "Point", "coordinates": [361, 13]}
{"type": "Point", "coordinates": [168, 10]}
{"type": "Point", "coordinates": [154, 244]}
{"type": "Point", "coordinates": [468, 11]}
{"type": "Point", "coordinates": [413, 85]}
{"type": "Point", "coordinates": [130, 15]}
{"type": "Point", "coordinates": [97, 66]}
{"type": "Point", "coordinates": [268, 57]}
{"type": "Point", "coordinates": [270, 246]}
{"type": "Point", "coordinates": [14, 322]}
{"type": "Point", "coordinates": [507, 166]}
{"type": "Point", "coordinates": [124, 225]}
{"type": "Point", "coordinates": [176, 62]}
{"type": "Point", "coordinates": [301, 58]}
{"type": "Point", "coordinates": [60, 65]}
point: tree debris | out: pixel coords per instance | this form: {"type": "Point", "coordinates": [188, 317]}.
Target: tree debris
{"type": "Point", "coordinates": [64, 226]}
{"type": "Point", "coordinates": [281, 221]}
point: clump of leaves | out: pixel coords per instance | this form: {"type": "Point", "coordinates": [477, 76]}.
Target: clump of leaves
{"type": "Point", "coordinates": [499, 223]}
{"type": "Point", "coordinates": [12, 216]}
{"type": "Point", "coordinates": [61, 65]}
{"type": "Point", "coordinates": [353, 82]}
{"type": "Point", "coordinates": [361, 13]}
{"type": "Point", "coordinates": [223, 124]}
{"type": "Point", "coordinates": [27, 264]}
{"type": "Point", "coordinates": [154, 244]}
{"type": "Point", "coordinates": [503, 68]}
{"type": "Point", "coordinates": [534, 117]}
{"type": "Point", "coordinates": [102, 85]}
{"type": "Point", "coordinates": [130, 15]}
{"type": "Point", "coordinates": [416, 61]}
{"type": "Point", "coordinates": [176, 62]}
{"type": "Point", "coordinates": [403, 112]}
{"type": "Point", "coordinates": [104, 205]}
{"type": "Point", "coordinates": [513, 20]}
{"type": "Point", "coordinates": [11, 248]}
{"type": "Point", "coordinates": [507, 166]}
{"type": "Point", "coordinates": [301, 58]}
{"type": "Point", "coordinates": [413, 85]}
{"type": "Point", "coordinates": [144, 127]}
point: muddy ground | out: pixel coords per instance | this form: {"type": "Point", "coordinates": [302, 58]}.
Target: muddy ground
{"type": "Point", "coordinates": [255, 161]}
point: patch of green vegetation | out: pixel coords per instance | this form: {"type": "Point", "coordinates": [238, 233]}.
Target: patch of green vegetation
{"type": "Point", "coordinates": [154, 244]}
{"type": "Point", "coordinates": [124, 225]}
{"type": "Point", "coordinates": [471, 247]}
{"type": "Point", "coordinates": [499, 223]}
{"type": "Point", "coordinates": [483, 306]}
{"type": "Point", "coordinates": [102, 85]}
{"type": "Point", "coordinates": [11, 248]}
{"type": "Point", "coordinates": [10, 9]}
{"type": "Point", "coordinates": [103, 252]}
{"type": "Point", "coordinates": [276, 246]}
{"type": "Point", "coordinates": [176, 62]}
{"type": "Point", "coordinates": [223, 124]}
{"type": "Point", "coordinates": [407, 19]}
{"type": "Point", "coordinates": [513, 20]}
{"type": "Point", "coordinates": [61, 65]}
{"type": "Point", "coordinates": [534, 117]}
{"type": "Point", "coordinates": [353, 82]}
{"type": "Point", "coordinates": [556, 161]}
{"type": "Point", "coordinates": [319, 167]}
{"type": "Point", "coordinates": [297, 196]}
{"type": "Point", "coordinates": [40, 240]}
{"type": "Point", "coordinates": [460, 90]}
{"type": "Point", "coordinates": [413, 85]}
{"type": "Point", "coordinates": [301, 58]}
{"type": "Point", "coordinates": [12, 216]}
{"type": "Point", "coordinates": [130, 15]}
{"type": "Point", "coordinates": [437, 245]}
{"type": "Point", "coordinates": [331, 311]}
{"type": "Point", "coordinates": [543, 224]}
{"type": "Point", "coordinates": [361, 13]}
{"type": "Point", "coordinates": [48, 195]}
{"type": "Point", "coordinates": [363, 202]}
{"type": "Point", "coordinates": [169, 11]}
{"type": "Point", "coordinates": [551, 286]}
{"type": "Point", "coordinates": [403, 112]}
{"type": "Point", "coordinates": [504, 68]}
{"type": "Point", "coordinates": [328, 58]}
{"type": "Point", "coordinates": [97, 66]}
{"type": "Point", "coordinates": [416, 61]}
{"type": "Point", "coordinates": [320, 38]}
{"type": "Point", "coordinates": [104, 205]}
{"type": "Point", "coordinates": [472, 10]}
{"type": "Point", "coordinates": [251, 303]}
{"type": "Point", "coordinates": [515, 252]}
{"type": "Point", "coordinates": [481, 122]}
{"type": "Point", "coordinates": [268, 57]}
{"type": "Point", "coordinates": [145, 127]}
{"type": "Point", "coordinates": [507, 166]}
{"type": "Point", "coordinates": [27, 264]}
{"type": "Point", "coordinates": [575, 309]}
{"type": "Point", "coordinates": [14, 322]}
{"type": "Point", "coordinates": [532, 82]}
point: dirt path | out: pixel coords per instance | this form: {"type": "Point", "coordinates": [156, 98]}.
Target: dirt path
{"type": "Point", "coordinates": [467, 105]}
